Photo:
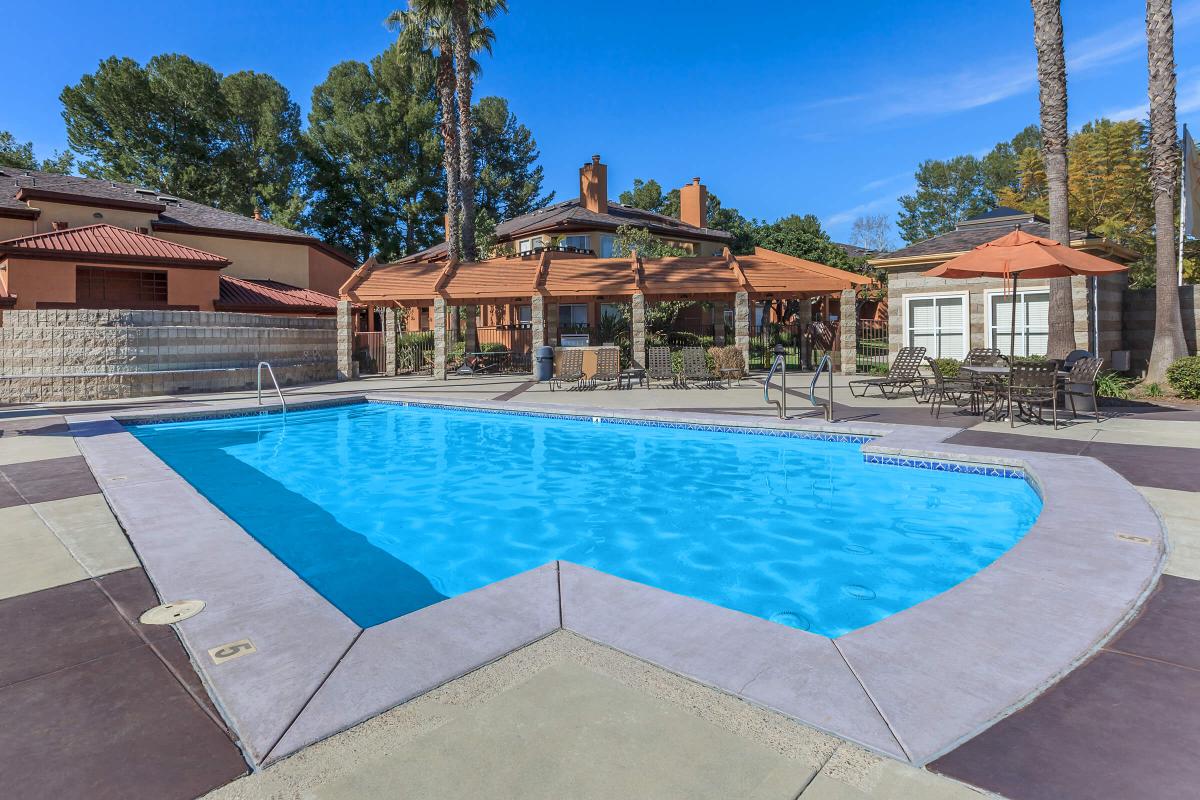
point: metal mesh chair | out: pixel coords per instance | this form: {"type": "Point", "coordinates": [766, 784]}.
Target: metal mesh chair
{"type": "Point", "coordinates": [983, 357]}
{"type": "Point", "coordinates": [569, 368]}
{"type": "Point", "coordinates": [1031, 387]}
{"type": "Point", "coordinates": [961, 391]}
{"type": "Point", "coordinates": [659, 367]}
{"type": "Point", "coordinates": [1083, 373]}
{"type": "Point", "coordinates": [903, 373]}
{"type": "Point", "coordinates": [695, 367]}
{"type": "Point", "coordinates": [608, 365]}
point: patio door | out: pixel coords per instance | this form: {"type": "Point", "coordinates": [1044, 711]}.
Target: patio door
{"type": "Point", "coordinates": [1033, 322]}
{"type": "Point", "coordinates": [938, 323]}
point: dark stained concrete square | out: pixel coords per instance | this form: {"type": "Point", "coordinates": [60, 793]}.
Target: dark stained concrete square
{"type": "Point", "coordinates": [56, 628]}
{"type": "Point", "coordinates": [1016, 441]}
{"type": "Point", "coordinates": [1168, 628]}
{"type": "Point", "coordinates": [120, 726]}
{"type": "Point", "coordinates": [1151, 465]}
{"type": "Point", "coordinates": [35, 426]}
{"type": "Point", "coordinates": [1119, 726]}
{"type": "Point", "coordinates": [171, 651]}
{"type": "Point", "coordinates": [9, 496]}
{"type": "Point", "coordinates": [131, 592]}
{"type": "Point", "coordinates": [51, 479]}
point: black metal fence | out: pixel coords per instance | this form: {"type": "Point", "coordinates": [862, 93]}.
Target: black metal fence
{"type": "Point", "coordinates": [368, 352]}
{"type": "Point", "coordinates": [872, 345]}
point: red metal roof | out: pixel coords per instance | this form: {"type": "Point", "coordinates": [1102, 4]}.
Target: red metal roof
{"type": "Point", "coordinates": [261, 296]}
{"type": "Point", "coordinates": [111, 244]}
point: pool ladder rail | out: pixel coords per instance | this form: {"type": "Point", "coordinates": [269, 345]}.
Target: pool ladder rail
{"type": "Point", "coordinates": [780, 365]}
{"type": "Point", "coordinates": [271, 372]}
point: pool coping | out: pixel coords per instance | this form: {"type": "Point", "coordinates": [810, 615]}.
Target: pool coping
{"type": "Point", "coordinates": [911, 686]}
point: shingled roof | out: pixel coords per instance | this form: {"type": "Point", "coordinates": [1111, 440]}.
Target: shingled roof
{"type": "Point", "coordinates": [110, 244]}
{"type": "Point", "coordinates": [20, 186]}
{"type": "Point", "coordinates": [986, 227]}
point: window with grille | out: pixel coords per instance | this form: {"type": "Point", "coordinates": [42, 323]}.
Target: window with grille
{"type": "Point", "coordinates": [937, 323]}
{"type": "Point", "coordinates": [1033, 322]}
{"type": "Point", "coordinates": [99, 287]}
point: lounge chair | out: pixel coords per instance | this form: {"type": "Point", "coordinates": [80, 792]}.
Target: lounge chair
{"type": "Point", "coordinates": [569, 368]}
{"type": "Point", "coordinates": [903, 373]}
{"type": "Point", "coordinates": [1083, 372]}
{"type": "Point", "coordinates": [660, 367]}
{"type": "Point", "coordinates": [1031, 387]}
{"type": "Point", "coordinates": [608, 366]}
{"type": "Point", "coordinates": [695, 367]}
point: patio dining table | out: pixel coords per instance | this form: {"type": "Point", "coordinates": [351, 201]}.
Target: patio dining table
{"type": "Point", "coordinates": [992, 379]}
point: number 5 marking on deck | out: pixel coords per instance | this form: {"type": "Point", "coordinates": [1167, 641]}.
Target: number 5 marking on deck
{"type": "Point", "coordinates": [227, 652]}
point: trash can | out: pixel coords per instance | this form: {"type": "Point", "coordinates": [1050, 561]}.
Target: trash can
{"type": "Point", "coordinates": [543, 364]}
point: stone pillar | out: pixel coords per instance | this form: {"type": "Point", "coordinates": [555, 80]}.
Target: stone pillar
{"type": "Point", "coordinates": [552, 324]}
{"type": "Point", "coordinates": [848, 327]}
{"type": "Point", "coordinates": [345, 342]}
{"type": "Point", "coordinates": [803, 321]}
{"type": "Point", "coordinates": [537, 320]}
{"type": "Point", "coordinates": [718, 311]}
{"type": "Point", "coordinates": [741, 324]}
{"type": "Point", "coordinates": [638, 332]}
{"type": "Point", "coordinates": [389, 340]}
{"type": "Point", "coordinates": [472, 334]}
{"type": "Point", "coordinates": [439, 338]}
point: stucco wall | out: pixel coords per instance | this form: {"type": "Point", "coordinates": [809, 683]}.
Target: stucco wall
{"type": "Point", "coordinates": [64, 355]}
{"type": "Point", "coordinates": [78, 216]}
{"type": "Point", "coordinates": [252, 258]}
{"type": "Point", "coordinates": [1139, 322]}
{"type": "Point", "coordinates": [36, 281]}
{"type": "Point", "coordinates": [326, 273]}
{"type": "Point", "coordinates": [13, 228]}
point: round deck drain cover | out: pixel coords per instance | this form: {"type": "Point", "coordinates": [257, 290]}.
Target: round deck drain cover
{"type": "Point", "coordinates": [175, 611]}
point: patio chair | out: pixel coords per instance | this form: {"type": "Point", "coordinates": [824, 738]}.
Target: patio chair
{"type": "Point", "coordinates": [903, 373]}
{"type": "Point", "coordinates": [569, 368]}
{"type": "Point", "coordinates": [660, 367]}
{"type": "Point", "coordinates": [1083, 372]}
{"type": "Point", "coordinates": [944, 388]}
{"type": "Point", "coordinates": [1031, 387]}
{"type": "Point", "coordinates": [608, 366]}
{"type": "Point", "coordinates": [983, 357]}
{"type": "Point", "coordinates": [695, 367]}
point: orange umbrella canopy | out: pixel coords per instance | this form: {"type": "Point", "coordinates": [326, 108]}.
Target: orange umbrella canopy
{"type": "Point", "coordinates": [1020, 253]}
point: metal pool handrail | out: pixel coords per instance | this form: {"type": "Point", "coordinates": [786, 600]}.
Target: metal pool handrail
{"type": "Point", "coordinates": [780, 364]}
{"type": "Point", "coordinates": [827, 365]}
{"type": "Point", "coordinates": [270, 372]}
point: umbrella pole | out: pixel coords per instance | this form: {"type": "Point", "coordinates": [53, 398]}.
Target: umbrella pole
{"type": "Point", "coordinates": [1012, 318]}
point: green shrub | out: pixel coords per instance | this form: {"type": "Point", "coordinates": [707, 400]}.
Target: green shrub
{"type": "Point", "coordinates": [683, 339]}
{"type": "Point", "coordinates": [1153, 390]}
{"type": "Point", "coordinates": [1184, 377]}
{"type": "Point", "coordinates": [1028, 360]}
{"type": "Point", "coordinates": [949, 367]}
{"type": "Point", "coordinates": [1112, 384]}
{"type": "Point", "coordinates": [493, 347]}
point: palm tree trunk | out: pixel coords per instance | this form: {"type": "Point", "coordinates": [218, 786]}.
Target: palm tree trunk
{"type": "Point", "coordinates": [445, 88]}
{"type": "Point", "coordinates": [1169, 343]}
{"type": "Point", "coordinates": [1052, 94]}
{"type": "Point", "coordinates": [466, 158]}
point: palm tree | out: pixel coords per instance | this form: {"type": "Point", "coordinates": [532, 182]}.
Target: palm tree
{"type": "Point", "coordinates": [1052, 95]}
{"type": "Point", "coordinates": [470, 36]}
{"type": "Point", "coordinates": [1169, 344]}
{"type": "Point", "coordinates": [426, 32]}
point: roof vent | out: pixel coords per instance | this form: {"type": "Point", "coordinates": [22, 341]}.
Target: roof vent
{"type": "Point", "coordinates": [60, 225]}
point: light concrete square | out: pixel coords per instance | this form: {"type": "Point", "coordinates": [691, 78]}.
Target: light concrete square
{"type": "Point", "coordinates": [31, 556]}
{"type": "Point", "coordinates": [1181, 513]}
{"type": "Point", "coordinates": [21, 449]}
{"type": "Point", "coordinates": [90, 532]}
{"type": "Point", "coordinates": [570, 732]}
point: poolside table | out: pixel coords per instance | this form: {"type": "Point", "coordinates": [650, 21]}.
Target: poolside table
{"type": "Point", "coordinates": [992, 378]}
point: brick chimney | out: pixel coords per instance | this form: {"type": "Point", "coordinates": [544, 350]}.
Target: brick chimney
{"type": "Point", "coordinates": [593, 186]}
{"type": "Point", "coordinates": [693, 204]}
{"type": "Point", "coordinates": [59, 225]}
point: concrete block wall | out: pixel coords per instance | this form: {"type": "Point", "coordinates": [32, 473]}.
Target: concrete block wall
{"type": "Point", "coordinates": [79, 354]}
{"type": "Point", "coordinates": [1139, 322]}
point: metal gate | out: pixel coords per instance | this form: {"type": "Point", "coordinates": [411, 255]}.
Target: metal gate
{"type": "Point", "coordinates": [764, 340]}
{"type": "Point", "coordinates": [368, 352]}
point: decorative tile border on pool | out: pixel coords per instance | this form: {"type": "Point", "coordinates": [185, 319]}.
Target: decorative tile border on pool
{"type": "Point", "coordinates": [845, 438]}
{"type": "Point", "coordinates": [963, 467]}
{"type": "Point", "coordinates": [229, 413]}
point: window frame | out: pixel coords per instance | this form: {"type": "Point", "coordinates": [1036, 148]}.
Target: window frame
{"type": "Point", "coordinates": [988, 332]}
{"type": "Point", "coordinates": [587, 241]}
{"type": "Point", "coordinates": [905, 329]}
{"type": "Point", "coordinates": [584, 324]}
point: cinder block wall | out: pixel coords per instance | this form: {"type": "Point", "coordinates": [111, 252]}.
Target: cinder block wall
{"type": "Point", "coordinates": [1139, 322]}
{"type": "Point", "coordinates": [78, 354]}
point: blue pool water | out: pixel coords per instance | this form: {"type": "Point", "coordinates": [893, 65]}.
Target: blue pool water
{"type": "Point", "coordinates": [385, 509]}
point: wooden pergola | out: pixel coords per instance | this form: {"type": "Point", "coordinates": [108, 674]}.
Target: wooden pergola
{"type": "Point", "coordinates": [546, 278]}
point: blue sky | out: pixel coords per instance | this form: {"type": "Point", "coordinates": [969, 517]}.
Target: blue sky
{"type": "Point", "coordinates": [780, 107]}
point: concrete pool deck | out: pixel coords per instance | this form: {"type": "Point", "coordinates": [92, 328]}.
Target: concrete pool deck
{"type": "Point", "coordinates": [828, 780]}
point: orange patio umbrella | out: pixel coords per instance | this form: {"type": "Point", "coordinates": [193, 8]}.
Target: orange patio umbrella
{"type": "Point", "coordinates": [1022, 254]}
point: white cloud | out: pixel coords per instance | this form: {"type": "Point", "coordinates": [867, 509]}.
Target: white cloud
{"type": "Point", "coordinates": [1187, 99]}
{"type": "Point", "coordinates": [850, 214]}
{"type": "Point", "coordinates": [879, 183]}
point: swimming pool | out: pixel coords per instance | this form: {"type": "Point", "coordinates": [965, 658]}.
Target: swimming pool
{"type": "Point", "coordinates": [387, 508]}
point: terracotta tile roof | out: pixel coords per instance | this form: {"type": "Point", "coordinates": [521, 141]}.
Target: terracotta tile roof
{"type": "Point", "coordinates": [263, 296]}
{"type": "Point", "coordinates": [173, 213]}
{"type": "Point", "coordinates": [508, 279]}
{"type": "Point", "coordinates": [111, 244]}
